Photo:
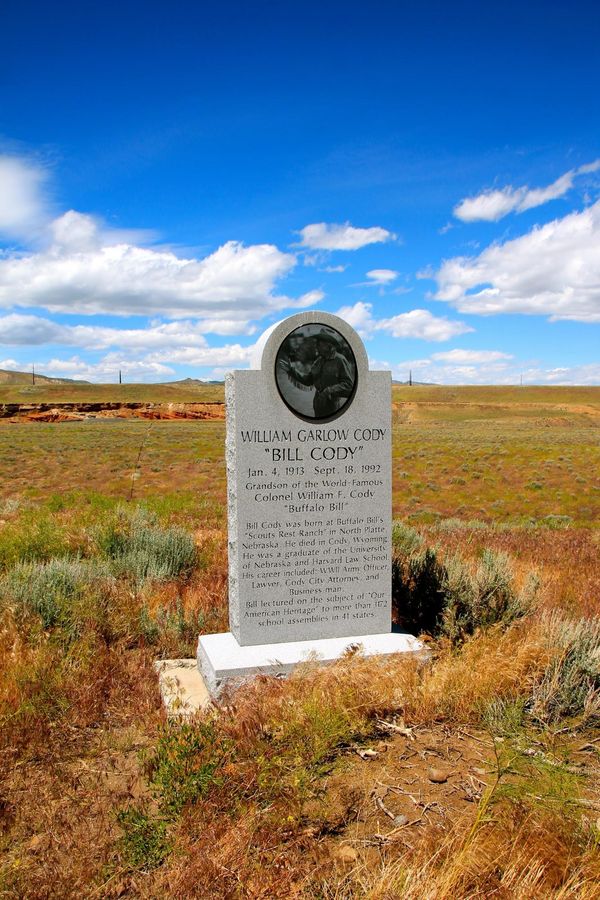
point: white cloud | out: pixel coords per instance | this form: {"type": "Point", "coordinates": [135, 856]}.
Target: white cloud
{"type": "Point", "coordinates": [499, 372]}
{"type": "Point", "coordinates": [26, 330]}
{"type": "Point", "coordinates": [436, 372]}
{"type": "Point", "coordinates": [311, 298]}
{"type": "Point", "coordinates": [420, 323]}
{"type": "Point", "coordinates": [84, 271]}
{"type": "Point", "coordinates": [323, 236]}
{"type": "Point", "coordinates": [382, 276]}
{"type": "Point", "coordinates": [553, 270]}
{"type": "Point", "coordinates": [75, 231]}
{"type": "Point", "coordinates": [360, 317]}
{"type": "Point", "coordinates": [156, 366]}
{"type": "Point", "coordinates": [332, 269]}
{"type": "Point", "coordinates": [229, 356]}
{"type": "Point", "coordinates": [417, 323]}
{"type": "Point", "coordinates": [9, 364]}
{"type": "Point", "coordinates": [588, 168]}
{"type": "Point", "coordinates": [489, 206]}
{"type": "Point", "coordinates": [104, 371]}
{"type": "Point", "coordinates": [23, 208]}
{"type": "Point", "coordinates": [584, 374]}
{"type": "Point", "coordinates": [22, 330]}
{"type": "Point", "coordinates": [470, 356]}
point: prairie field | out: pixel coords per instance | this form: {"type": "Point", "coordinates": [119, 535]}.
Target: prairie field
{"type": "Point", "coordinates": [472, 773]}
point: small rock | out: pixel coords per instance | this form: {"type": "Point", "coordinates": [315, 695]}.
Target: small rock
{"type": "Point", "coordinates": [401, 820]}
{"type": "Point", "coordinates": [39, 842]}
{"type": "Point", "coordinates": [367, 754]}
{"type": "Point", "coordinates": [346, 854]}
{"type": "Point", "coordinates": [437, 776]}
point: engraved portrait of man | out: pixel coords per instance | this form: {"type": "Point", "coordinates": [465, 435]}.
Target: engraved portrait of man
{"type": "Point", "coordinates": [318, 358]}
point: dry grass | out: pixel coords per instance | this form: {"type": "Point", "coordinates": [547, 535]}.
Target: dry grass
{"type": "Point", "coordinates": [248, 826]}
{"type": "Point", "coordinates": [251, 834]}
{"type": "Point", "coordinates": [266, 796]}
{"type": "Point", "coordinates": [517, 854]}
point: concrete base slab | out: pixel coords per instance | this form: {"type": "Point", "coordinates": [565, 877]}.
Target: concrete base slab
{"type": "Point", "coordinates": [182, 687]}
{"type": "Point", "coordinates": [221, 660]}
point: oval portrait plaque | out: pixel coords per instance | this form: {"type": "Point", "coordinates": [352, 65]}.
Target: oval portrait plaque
{"type": "Point", "coordinates": [316, 372]}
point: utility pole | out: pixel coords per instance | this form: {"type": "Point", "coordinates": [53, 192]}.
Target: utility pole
{"type": "Point", "coordinates": [120, 382]}
{"type": "Point", "coordinates": [410, 378]}
{"type": "Point", "coordinates": [33, 374]}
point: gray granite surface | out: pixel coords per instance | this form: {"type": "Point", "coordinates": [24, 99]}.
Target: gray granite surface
{"type": "Point", "coordinates": [309, 505]}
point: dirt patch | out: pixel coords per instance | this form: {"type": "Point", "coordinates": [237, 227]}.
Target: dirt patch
{"type": "Point", "coordinates": [404, 794]}
{"type": "Point", "coordinates": [77, 412]}
{"type": "Point", "coordinates": [392, 791]}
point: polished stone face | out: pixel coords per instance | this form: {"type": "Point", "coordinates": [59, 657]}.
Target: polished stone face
{"type": "Point", "coordinates": [309, 495]}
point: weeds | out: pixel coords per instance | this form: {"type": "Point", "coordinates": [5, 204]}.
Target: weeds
{"type": "Point", "coordinates": [34, 538]}
{"type": "Point", "coordinates": [66, 619]}
{"type": "Point", "coordinates": [183, 767]}
{"type": "Point", "coordinates": [144, 843]}
{"type": "Point", "coordinates": [234, 803]}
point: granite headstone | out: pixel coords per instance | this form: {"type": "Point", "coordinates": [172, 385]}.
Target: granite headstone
{"type": "Point", "coordinates": [308, 453]}
{"type": "Point", "coordinates": [309, 488]}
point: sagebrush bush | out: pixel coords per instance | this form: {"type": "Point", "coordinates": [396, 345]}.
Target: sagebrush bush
{"type": "Point", "coordinates": [570, 685]}
{"type": "Point", "coordinates": [405, 540]}
{"type": "Point", "coordinates": [140, 548]}
{"type": "Point", "coordinates": [461, 525]}
{"type": "Point", "coordinates": [55, 590]}
{"type": "Point", "coordinates": [556, 521]}
{"type": "Point", "coordinates": [460, 595]}
{"type": "Point", "coordinates": [417, 590]}
{"type": "Point", "coordinates": [447, 598]}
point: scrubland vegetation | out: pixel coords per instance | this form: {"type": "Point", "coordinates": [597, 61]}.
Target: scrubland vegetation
{"type": "Point", "coordinates": [471, 773]}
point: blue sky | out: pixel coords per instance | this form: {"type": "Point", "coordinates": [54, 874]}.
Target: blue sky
{"type": "Point", "coordinates": [174, 179]}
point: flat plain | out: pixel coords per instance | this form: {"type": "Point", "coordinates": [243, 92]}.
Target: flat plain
{"type": "Point", "coordinates": [511, 455]}
{"type": "Point", "coordinates": [474, 775]}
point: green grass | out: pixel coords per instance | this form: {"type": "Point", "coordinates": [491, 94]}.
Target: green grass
{"type": "Point", "coordinates": [524, 455]}
{"type": "Point", "coordinates": [99, 457]}
{"type": "Point", "coordinates": [110, 393]}
{"type": "Point", "coordinates": [512, 471]}
{"type": "Point", "coordinates": [144, 843]}
{"type": "Point", "coordinates": [490, 397]}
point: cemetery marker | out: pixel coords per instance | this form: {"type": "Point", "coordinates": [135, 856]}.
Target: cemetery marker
{"type": "Point", "coordinates": [309, 505]}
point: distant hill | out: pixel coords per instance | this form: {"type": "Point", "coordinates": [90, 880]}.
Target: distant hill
{"type": "Point", "coordinates": [194, 381]}
{"type": "Point", "coordinates": [8, 377]}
